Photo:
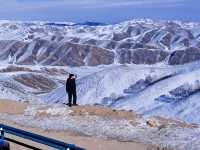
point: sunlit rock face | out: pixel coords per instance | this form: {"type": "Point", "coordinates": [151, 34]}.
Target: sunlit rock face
{"type": "Point", "coordinates": [51, 53]}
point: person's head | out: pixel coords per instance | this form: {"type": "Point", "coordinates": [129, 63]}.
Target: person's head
{"type": "Point", "coordinates": [71, 76]}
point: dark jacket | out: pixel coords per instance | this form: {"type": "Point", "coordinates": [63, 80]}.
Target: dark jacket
{"type": "Point", "coordinates": [70, 85]}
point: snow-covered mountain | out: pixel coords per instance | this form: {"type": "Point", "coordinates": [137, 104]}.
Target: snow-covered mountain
{"type": "Point", "coordinates": [148, 66]}
{"type": "Point", "coordinates": [132, 42]}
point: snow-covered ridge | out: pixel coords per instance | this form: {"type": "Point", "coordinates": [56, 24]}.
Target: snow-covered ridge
{"type": "Point", "coordinates": [95, 29]}
{"type": "Point", "coordinates": [135, 41]}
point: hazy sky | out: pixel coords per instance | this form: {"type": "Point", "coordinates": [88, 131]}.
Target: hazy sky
{"type": "Point", "coordinates": [109, 11]}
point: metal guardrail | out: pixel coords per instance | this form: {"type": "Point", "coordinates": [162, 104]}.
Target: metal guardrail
{"type": "Point", "coordinates": [36, 138]}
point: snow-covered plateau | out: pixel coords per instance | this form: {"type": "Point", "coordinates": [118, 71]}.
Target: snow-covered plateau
{"type": "Point", "coordinates": [149, 67]}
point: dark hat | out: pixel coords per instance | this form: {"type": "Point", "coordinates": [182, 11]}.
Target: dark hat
{"type": "Point", "coordinates": [71, 75]}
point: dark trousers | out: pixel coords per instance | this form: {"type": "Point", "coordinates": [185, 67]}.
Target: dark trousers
{"type": "Point", "coordinates": [70, 95]}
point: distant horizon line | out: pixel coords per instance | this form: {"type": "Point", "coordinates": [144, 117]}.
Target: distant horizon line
{"type": "Point", "coordinates": [101, 22]}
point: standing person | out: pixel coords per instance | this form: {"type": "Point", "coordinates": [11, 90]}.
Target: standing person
{"type": "Point", "coordinates": [71, 89]}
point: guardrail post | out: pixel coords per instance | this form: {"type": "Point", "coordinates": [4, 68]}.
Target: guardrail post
{"type": "Point", "coordinates": [2, 133]}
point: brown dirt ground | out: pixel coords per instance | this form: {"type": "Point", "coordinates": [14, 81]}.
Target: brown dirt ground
{"type": "Point", "coordinates": [90, 143]}
{"type": "Point", "coordinates": [12, 107]}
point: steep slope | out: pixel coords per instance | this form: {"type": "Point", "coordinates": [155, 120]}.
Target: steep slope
{"type": "Point", "coordinates": [161, 90]}
{"type": "Point", "coordinates": [132, 42]}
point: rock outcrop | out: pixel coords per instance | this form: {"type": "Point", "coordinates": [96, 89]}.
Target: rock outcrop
{"type": "Point", "coordinates": [184, 56]}
{"type": "Point", "coordinates": [141, 56]}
